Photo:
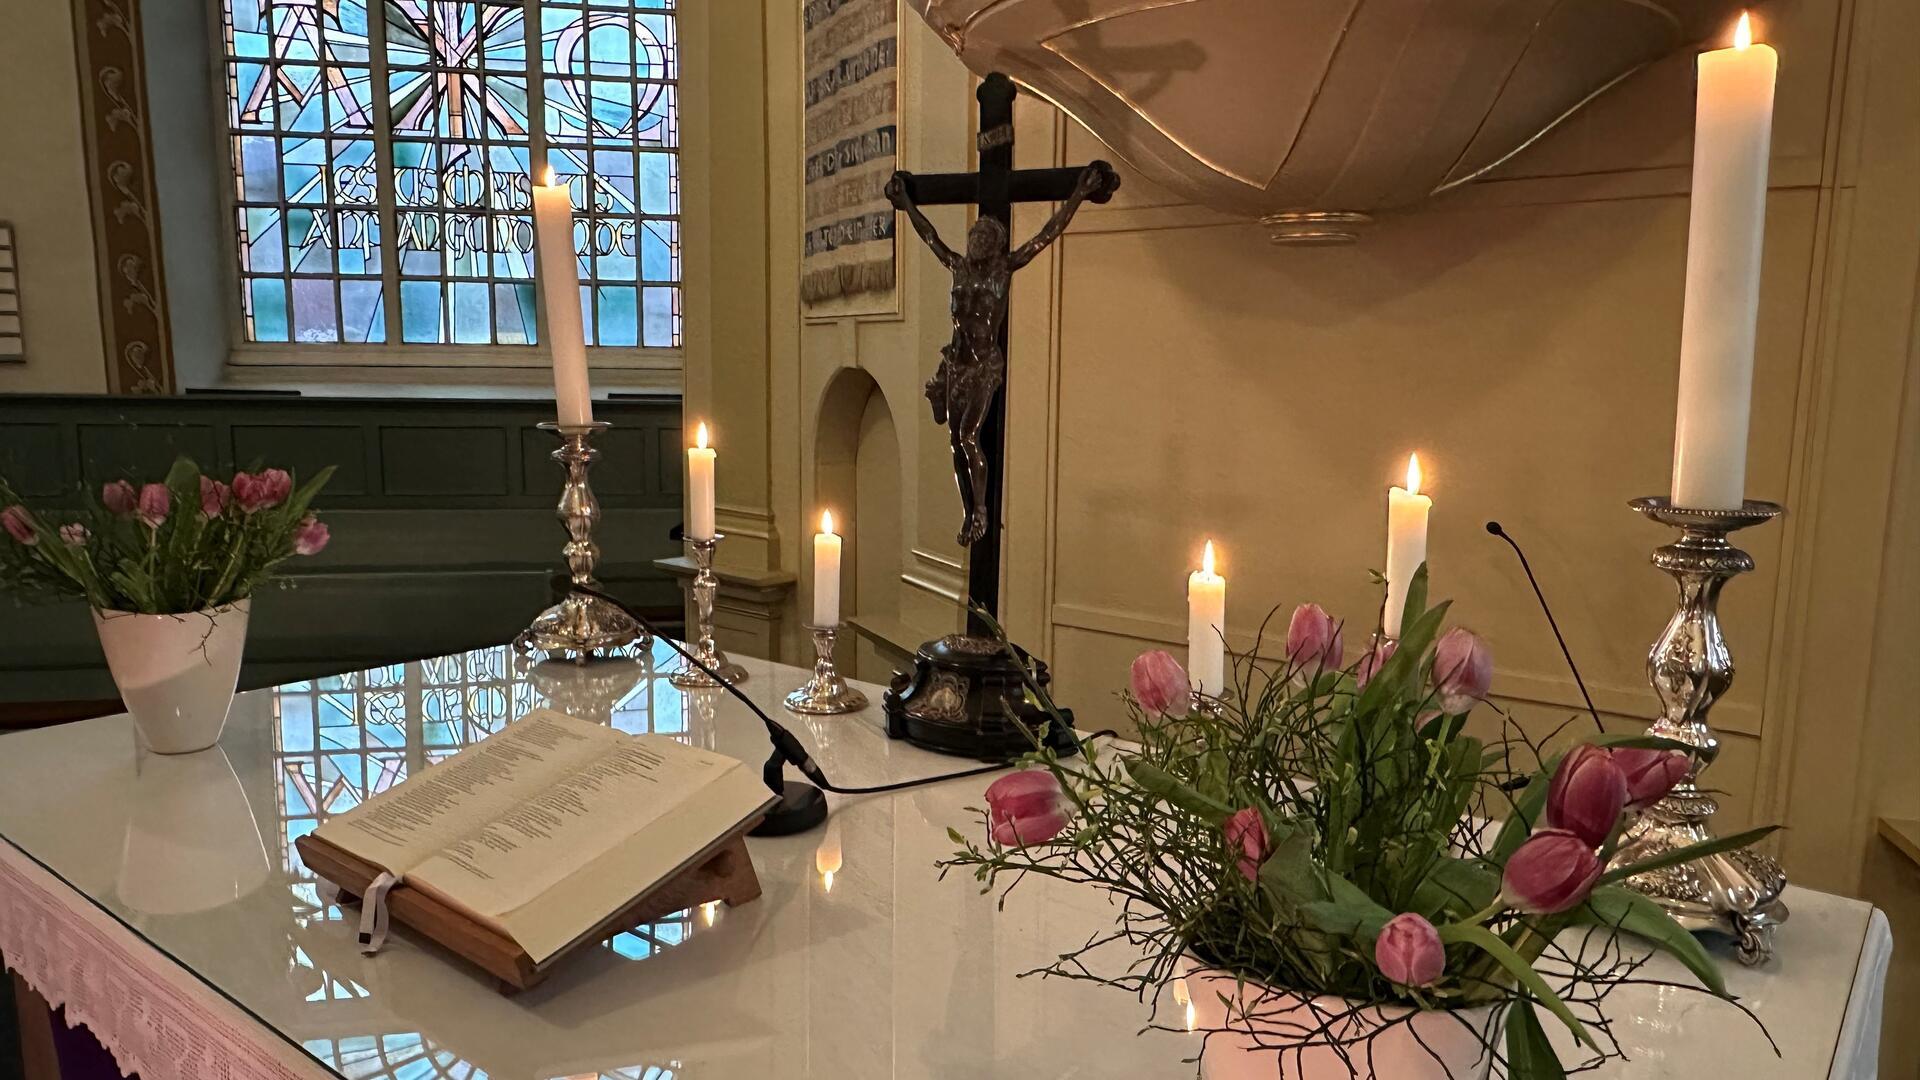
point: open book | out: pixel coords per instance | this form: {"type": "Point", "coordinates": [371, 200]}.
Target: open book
{"type": "Point", "coordinates": [546, 828]}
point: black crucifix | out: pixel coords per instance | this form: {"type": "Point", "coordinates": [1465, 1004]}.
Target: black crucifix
{"type": "Point", "coordinates": [968, 391]}
{"type": "Point", "coordinates": [965, 693]}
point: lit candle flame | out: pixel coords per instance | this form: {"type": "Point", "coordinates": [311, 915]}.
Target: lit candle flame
{"type": "Point", "coordinates": [1743, 32]}
{"type": "Point", "coordinates": [826, 523]}
{"type": "Point", "coordinates": [700, 437]}
{"type": "Point", "coordinates": [1206, 559]}
{"type": "Point", "coordinates": [826, 881]}
{"type": "Point", "coordinates": [549, 178]}
{"type": "Point", "coordinates": [827, 860]}
{"type": "Point", "coordinates": [1413, 474]}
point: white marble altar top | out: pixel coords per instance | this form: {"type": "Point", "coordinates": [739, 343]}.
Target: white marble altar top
{"type": "Point", "coordinates": [879, 969]}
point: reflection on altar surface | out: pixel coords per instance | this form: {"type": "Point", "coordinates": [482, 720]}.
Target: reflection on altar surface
{"type": "Point", "coordinates": [340, 739]}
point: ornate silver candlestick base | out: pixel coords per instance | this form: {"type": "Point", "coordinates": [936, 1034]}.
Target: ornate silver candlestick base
{"type": "Point", "coordinates": [580, 625]}
{"type": "Point", "coordinates": [1737, 892]}
{"type": "Point", "coordinates": [705, 585]}
{"type": "Point", "coordinates": [826, 693]}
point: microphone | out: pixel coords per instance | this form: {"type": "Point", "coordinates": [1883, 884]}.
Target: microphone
{"type": "Point", "coordinates": [802, 805]}
{"type": "Point", "coordinates": [1494, 528]}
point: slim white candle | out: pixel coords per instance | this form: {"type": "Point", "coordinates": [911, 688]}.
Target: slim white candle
{"type": "Point", "coordinates": [826, 573]}
{"type": "Point", "coordinates": [1406, 542]}
{"type": "Point", "coordinates": [1206, 626]}
{"type": "Point", "coordinates": [560, 285]}
{"type": "Point", "coordinates": [1733, 128]}
{"type": "Point", "coordinates": [700, 463]}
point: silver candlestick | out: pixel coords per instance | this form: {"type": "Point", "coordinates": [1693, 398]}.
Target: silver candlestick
{"type": "Point", "coordinates": [705, 585]}
{"type": "Point", "coordinates": [579, 625]}
{"type": "Point", "coordinates": [1735, 892]}
{"type": "Point", "coordinates": [826, 693]}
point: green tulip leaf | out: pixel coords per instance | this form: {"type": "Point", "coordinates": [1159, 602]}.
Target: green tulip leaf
{"type": "Point", "coordinates": [1529, 1055]}
{"type": "Point", "coordinates": [1164, 784]}
{"type": "Point", "coordinates": [1623, 909]}
{"type": "Point", "coordinates": [1488, 942]}
{"type": "Point", "coordinates": [1676, 856]}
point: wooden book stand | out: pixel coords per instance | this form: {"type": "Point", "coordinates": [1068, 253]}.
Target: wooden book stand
{"type": "Point", "coordinates": [722, 871]}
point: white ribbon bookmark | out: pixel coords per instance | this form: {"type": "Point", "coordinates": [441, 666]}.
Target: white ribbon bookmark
{"type": "Point", "coordinates": [373, 913]}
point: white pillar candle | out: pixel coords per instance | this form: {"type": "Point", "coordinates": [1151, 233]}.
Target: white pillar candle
{"type": "Point", "coordinates": [826, 573]}
{"type": "Point", "coordinates": [1733, 127]}
{"type": "Point", "coordinates": [560, 284]}
{"type": "Point", "coordinates": [1206, 627]}
{"type": "Point", "coordinates": [700, 460]}
{"type": "Point", "coordinates": [1406, 542]}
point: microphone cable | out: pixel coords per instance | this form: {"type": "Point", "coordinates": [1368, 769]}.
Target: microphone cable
{"type": "Point", "coordinates": [1494, 528]}
{"type": "Point", "coordinates": [784, 740]}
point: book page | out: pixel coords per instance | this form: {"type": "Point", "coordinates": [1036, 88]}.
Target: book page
{"type": "Point", "coordinates": [623, 788]}
{"type": "Point", "coordinates": [402, 827]}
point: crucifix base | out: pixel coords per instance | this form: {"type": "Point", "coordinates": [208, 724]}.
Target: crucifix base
{"type": "Point", "coordinates": [964, 696]}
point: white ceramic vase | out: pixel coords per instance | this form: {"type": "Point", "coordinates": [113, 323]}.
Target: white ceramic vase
{"type": "Point", "coordinates": [176, 673]}
{"type": "Point", "coordinates": [1265, 1035]}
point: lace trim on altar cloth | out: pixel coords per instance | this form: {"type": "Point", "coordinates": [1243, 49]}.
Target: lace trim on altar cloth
{"type": "Point", "coordinates": [156, 1020]}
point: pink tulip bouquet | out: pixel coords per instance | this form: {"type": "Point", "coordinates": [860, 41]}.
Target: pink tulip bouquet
{"type": "Point", "coordinates": [188, 543]}
{"type": "Point", "coordinates": [1340, 873]}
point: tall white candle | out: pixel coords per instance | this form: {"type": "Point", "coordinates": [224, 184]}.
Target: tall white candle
{"type": "Point", "coordinates": [826, 573]}
{"type": "Point", "coordinates": [700, 460]}
{"type": "Point", "coordinates": [560, 285]}
{"type": "Point", "coordinates": [1733, 128]}
{"type": "Point", "coordinates": [1206, 627]}
{"type": "Point", "coordinates": [1406, 542]}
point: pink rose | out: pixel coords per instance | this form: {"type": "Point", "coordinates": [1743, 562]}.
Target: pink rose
{"type": "Point", "coordinates": [155, 504]}
{"type": "Point", "coordinates": [119, 498]}
{"type": "Point", "coordinates": [1650, 774]}
{"type": "Point", "coordinates": [215, 496]}
{"type": "Point", "coordinates": [1553, 871]}
{"type": "Point", "coordinates": [1246, 833]}
{"type": "Point", "coordinates": [268, 489]}
{"type": "Point", "coordinates": [1373, 660]}
{"type": "Point", "coordinates": [1408, 951]}
{"type": "Point", "coordinates": [1027, 807]}
{"type": "Point", "coordinates": [1587, 794]}
{"type": "Point", "coordinates": [19, 525]}
{"type": "Point", "coordinates": [75, 535]}
{"type": "Point", "coordinates": [310, 536]}
{"type": "Point", "coordinates": [1313, 639]}
{"type": "Point", "coordinates": [1159, 683]}
{"type": "Point", "coordinates": [1462, 670]}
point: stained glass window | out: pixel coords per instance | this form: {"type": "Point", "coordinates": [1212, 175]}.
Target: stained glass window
{"type": "Point", "coordinates": [381, 166]}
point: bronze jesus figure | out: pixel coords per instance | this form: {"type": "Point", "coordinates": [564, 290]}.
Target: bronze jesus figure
{"type": "Point", "coordinates": [973, 366]}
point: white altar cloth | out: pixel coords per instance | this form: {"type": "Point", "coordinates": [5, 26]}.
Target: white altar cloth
{"type": "Point", "coordinates": [161, 902]}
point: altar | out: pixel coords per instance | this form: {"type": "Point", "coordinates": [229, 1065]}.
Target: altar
{"type": "Point", "coordinates": [163, 905]}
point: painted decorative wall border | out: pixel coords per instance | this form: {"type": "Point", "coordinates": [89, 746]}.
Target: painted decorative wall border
{"type": "Point", "coordinates": [126, 220]}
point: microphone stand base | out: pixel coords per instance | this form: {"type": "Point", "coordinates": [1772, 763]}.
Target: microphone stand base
{"type": "Point", "coordinates": [801, 807]}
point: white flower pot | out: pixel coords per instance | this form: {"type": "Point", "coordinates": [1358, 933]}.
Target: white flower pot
{"type": "Point", "coordinates": [1270, 1034]}
{"type": "Point", "coordinates": [176, 673]}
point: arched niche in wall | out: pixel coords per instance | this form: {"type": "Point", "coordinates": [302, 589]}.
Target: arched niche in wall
{"type": "Point", "coordinates": [857, 476]}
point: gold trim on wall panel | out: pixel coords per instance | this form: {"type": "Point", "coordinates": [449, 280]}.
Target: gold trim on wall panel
{"type": "Point", "coordinates": [945, 592]}
{"type": "Point", "coordinates": [126, 211]}
{"type": "Point", "coordinates": [1623, 702]}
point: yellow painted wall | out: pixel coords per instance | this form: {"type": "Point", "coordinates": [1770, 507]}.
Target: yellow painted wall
{"type": "Point", "coordinates": [1174, 377]}
{"type": "Point", "coordinates": [43, 192]}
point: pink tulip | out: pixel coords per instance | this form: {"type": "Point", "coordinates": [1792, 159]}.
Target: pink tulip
{"type": "Point", "coordinates": [1246, 833]}
{"type": "Point", "coordinates": [1650, 773]}
{"type": "Point", "coordinates": [215, 496]}
{"type": "Point", "coordinates": [1313, 639]}
{"type": "Point", "coordinates": [19, 525]}
{"type": "Point", "coordinates": [1462, 670]}
{"type": "Point", "coordinates": [1408, 950]}
{"type": "Point", "coordinates": [75, 535]}
{"type": "Point", "coordinates": [1159, 683]}
{"type": "Point", "coordinates": [310, 536]}
{"type": "Point", "coordinates": [1372, 661]}
{"type": "Point", "coordinates": [155, 504]}
{"type": "Point", "coordinates": [1027, 807]}
{"type": "Point", "coordinates": [1553, 871]}
{"type": "Point", "coordinates": [119, 498]}
{"type": "Point", "coordinates": [259, 492]}
{"type": "Point", "coordinates": [1587, 794]}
